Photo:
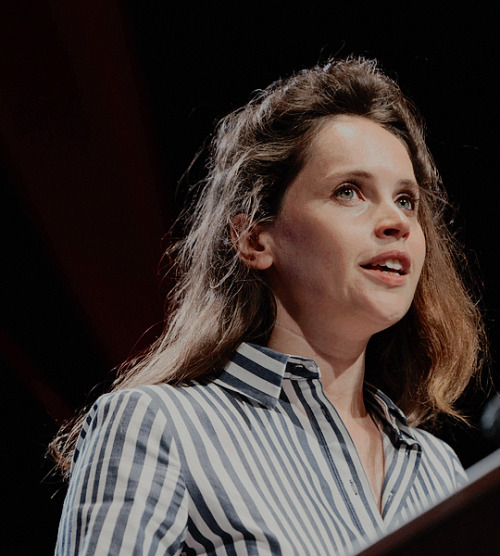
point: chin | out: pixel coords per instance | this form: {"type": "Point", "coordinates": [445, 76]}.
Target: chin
{"type": "Point", "coordinates": [385, 319]}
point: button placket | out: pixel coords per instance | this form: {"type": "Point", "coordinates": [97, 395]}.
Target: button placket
{"type": "Point", "coordinates": [353, 477]}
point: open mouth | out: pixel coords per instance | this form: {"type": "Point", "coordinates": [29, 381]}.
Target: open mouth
{"type": "Point", "coordinates": [391, 266]}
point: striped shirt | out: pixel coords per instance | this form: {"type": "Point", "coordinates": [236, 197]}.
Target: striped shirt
{"type": "Point", "coordinates": [257, 462]}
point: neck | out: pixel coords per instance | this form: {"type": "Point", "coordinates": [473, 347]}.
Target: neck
{"type": "Point", "coordinates": [340, 358]}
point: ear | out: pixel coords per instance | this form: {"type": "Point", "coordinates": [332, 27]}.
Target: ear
{"type": "Point", "coordinates": [252, 241]}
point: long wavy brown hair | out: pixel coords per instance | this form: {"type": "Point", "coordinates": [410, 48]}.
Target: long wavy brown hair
{"type": "Point", "coordinates": [424, 362]}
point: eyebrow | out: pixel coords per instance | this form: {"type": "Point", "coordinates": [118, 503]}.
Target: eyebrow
{"type": "Point", "coordinates": [366, 175]}
{"type": "Point", "coordinates": [411, 184]}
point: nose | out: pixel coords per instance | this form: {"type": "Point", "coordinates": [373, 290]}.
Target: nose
{"type": "Point", "coordinates": [392, 222]}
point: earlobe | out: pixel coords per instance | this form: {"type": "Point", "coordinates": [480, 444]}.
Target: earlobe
{"type": "Point", "coordinates": [251, 242]}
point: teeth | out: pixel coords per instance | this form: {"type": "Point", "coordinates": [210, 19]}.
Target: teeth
{"type": "Point", "coordinates": [393, 264]}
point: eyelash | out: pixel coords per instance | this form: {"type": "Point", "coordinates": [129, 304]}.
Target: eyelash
{"type": "Point", "coordinates": [410, 196]}
{"type": "Point", "coordinates": [346, 187]}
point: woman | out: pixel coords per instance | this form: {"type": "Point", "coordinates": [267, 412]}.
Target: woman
{"type": "Point", "coordinates": [316, 274]}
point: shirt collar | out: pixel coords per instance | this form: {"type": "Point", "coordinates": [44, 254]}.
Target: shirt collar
{"type": "Point", "coordinates": [257, 373]}
{"type": "Point", "coordinates": [390, 415]}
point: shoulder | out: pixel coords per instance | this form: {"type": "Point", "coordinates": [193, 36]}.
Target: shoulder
{"type": "Point", "coordinates": [126, 419]}
{"type": "Point", "coordinates": [128, 405]}
{"type": "Point", "coordinates": [126, 472]}
{"type": "Point", "coordinates": [155, 400]}
{"type": "Point", "coordinates": [440, 457]}
{"type": "Point", "coordinates": [438, 461]}
{"type": "Point", "coordinates": [432, 445]}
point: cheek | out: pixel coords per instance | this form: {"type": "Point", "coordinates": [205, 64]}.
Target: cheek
{"type": "Point", "coordinates": [314, 237]}
{"type": "Point", "coordinates": [422, 248]}
{"type": "Point", "coordinates": [297, 232]}
{"type": "Point", "coordinates": [305, 253]}
{"type": "Point", "coordinates": [419, 252]}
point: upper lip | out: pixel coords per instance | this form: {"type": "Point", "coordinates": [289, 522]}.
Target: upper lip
{"type": "Point", "coordinates": [380, 259]}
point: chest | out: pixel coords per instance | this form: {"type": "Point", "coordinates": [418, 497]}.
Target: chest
{"type": "Point", "coordinates": [286, 477]}
{"type": "Point", "coordinates": [367, 438]}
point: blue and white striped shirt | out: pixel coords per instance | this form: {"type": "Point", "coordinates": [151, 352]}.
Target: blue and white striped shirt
{"type": "Point", "coordinates": [256, 462]}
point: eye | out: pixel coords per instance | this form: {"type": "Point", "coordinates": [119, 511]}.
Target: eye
{"type": "Point", "coordinates": [408, 201]}
{"type": "Point", "coordinates": [347, 192]}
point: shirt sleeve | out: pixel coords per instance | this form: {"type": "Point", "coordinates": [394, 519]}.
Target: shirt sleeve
{"type": "Point", "coordinates": [126, 493]}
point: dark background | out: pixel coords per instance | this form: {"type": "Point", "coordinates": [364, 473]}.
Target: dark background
{"type": "Point", "coordinates": [103, 104]}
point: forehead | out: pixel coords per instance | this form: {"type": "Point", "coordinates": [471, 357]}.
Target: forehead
{"type": "Point", "coordinates": [348, 136]}
{"type": "Point", "coordinates": [354, 143]}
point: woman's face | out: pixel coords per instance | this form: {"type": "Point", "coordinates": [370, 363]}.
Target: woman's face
{"type": "Point", "coordinates": [347, 246]}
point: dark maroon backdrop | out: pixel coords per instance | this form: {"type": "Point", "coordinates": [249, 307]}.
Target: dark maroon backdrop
{"type": "Point", "coordinates": [102, 106]}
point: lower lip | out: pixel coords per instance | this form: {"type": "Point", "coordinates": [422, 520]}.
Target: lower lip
{"type": "Point", "coordinates": [389, 278]}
